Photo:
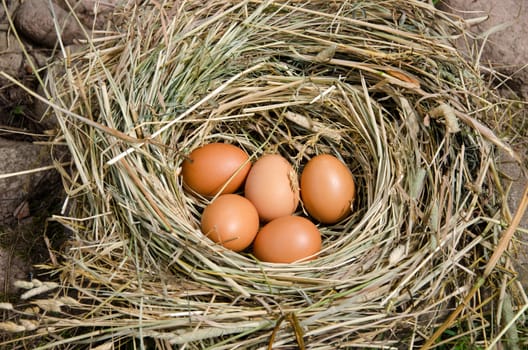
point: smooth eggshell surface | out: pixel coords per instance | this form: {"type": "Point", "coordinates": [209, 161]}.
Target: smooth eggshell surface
{"type": "Point", "coordinates": [273, 187]}
{"type": "Point", "coordinates": [287, 239]}
{"type": "Point", "coordinates": [230, 220]}
{"type": "Point", "coordinates": [208, 168]}
{"type": "Point", "coordinates": [327, 189]}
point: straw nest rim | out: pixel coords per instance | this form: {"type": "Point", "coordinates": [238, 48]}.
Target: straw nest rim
{"type": "Point", "coordinates": [367, 83]}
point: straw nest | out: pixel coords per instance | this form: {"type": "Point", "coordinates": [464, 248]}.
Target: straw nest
{"type": "Point", "coordinates": [375, 83]}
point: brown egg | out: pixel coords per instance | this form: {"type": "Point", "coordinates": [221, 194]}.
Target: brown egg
{"type": "Point", "coordinates": [208, 168]}
{"type": "Point", "coordinates": [287, 239]}
{"type": "Point", "coordinates": [327, 189]}
{"type": "Point", "coordinates": [230, 220]}
{"type": "Point", "coordinates": [273, 187]}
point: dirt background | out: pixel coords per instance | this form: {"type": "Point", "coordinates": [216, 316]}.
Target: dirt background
{"type": "Point", "coordinates": [501, 33]}
{"type": "Point", "coordinates": [500, 30]}
{"type": "Point", "coordinates": [28, 41]}
{"type": "Point", "coordinates": [500, 42]}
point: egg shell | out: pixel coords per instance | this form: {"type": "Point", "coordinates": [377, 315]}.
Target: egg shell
{"type": "Point", "coordinates": [208, 168]}
{"type": "Point", "coordinates": [230, 220]}
{"type": "Point", "coordinates": [272, 185]}
{"type": "Point", "coordinates": [287, 239]}
{"type": "Point", "coordinates": [327, 188]}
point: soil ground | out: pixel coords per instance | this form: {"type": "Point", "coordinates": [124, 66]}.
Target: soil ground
{"type": "Point", "coordinates": [501, 42]}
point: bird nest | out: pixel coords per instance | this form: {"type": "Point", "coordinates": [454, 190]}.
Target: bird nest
{"type": "Point", "coordinates": [377, 84]}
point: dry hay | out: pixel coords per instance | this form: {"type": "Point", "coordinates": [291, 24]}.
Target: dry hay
{"type": "Point", "coordinates": [374, 83]}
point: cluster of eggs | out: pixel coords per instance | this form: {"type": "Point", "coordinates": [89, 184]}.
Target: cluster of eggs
{"type": "Point", "coordinates": [264, 216]}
